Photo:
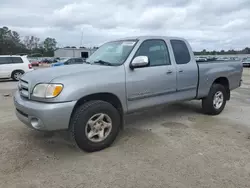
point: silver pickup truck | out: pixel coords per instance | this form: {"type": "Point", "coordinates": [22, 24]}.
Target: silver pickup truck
{"type": "Point", "coordinates": [121, 77]}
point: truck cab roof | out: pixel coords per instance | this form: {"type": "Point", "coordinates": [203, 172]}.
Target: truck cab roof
{"type": "Point", "coordinates": [151, 37]}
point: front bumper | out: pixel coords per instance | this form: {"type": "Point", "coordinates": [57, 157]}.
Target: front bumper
{"type": "Point", "coordinates": [43, 116]}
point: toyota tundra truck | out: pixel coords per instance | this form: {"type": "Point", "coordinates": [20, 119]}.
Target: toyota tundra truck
{"type": "Point", "coordinates": [122, 76]}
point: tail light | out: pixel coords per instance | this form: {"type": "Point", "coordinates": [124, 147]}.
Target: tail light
{"type": "Point", "coordinates": [30, 66]}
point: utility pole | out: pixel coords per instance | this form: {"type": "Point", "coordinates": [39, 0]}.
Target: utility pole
{"type": "Point", "coordinates": [81, 39]}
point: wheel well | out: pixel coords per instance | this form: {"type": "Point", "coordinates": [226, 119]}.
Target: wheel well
{"type": "Point", "coordinates": [224, 81]}
{"type": "Point", "coordinates": [108, 97]}
{"type": "Point", "coordinates": [16, 71]}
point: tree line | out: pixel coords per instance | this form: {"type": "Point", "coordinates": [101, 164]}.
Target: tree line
{"type": "Point", "coordinates": [11, 43]}
{"type": "Point", "coordinates": [224, 52]}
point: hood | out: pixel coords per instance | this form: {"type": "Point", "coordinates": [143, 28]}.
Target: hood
{"type": "Point", "coordinates": [46, 75]}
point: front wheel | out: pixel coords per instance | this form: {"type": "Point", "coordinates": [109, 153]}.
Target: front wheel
{"type": "Point", "coordinates": [215, 102]}
{"type": "Point", "coordinates": [95, 125]}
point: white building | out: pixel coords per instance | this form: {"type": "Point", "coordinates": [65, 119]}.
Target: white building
{"type": "Point", "coordinates": [73, 52]}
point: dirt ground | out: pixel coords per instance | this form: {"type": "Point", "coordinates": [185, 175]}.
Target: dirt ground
{"type": "Point", "coordinates": [173, 146]}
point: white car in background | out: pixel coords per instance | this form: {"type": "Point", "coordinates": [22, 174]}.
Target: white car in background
{"type": "Point", "coordinates": [246, 62]}
{"type": "Point", "coordinates": [200, 59]}
{"type": "Point", "coordinates": [13, 66]}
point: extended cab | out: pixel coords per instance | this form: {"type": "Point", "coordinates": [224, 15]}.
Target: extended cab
{"type": "Point", "coordinates": [122, 76]}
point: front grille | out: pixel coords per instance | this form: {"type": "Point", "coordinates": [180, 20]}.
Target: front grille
{"type": "Point", "coordinates": [23, 88]}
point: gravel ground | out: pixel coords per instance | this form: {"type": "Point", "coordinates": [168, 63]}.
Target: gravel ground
{"type": "Point", "coordinates": [172, 146]}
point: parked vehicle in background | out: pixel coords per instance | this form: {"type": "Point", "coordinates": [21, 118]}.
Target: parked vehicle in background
{"type": "Point", "coordinates": [223, 59]}
{"type": "Point", "coordinates": [121, 77]}
{"type": "Point", "coordinates": [246, 62]}
{"type": "Point", "coordinates": [48, 61]}
{"type": "Point", "coordinates": [234, 58]}
{"type": "Point", "coordinates": [14, 66]}
{"type": "Point", "coordinates": [35, 63]}
{"type": "Point", "coordinates": [200, 59]}
{"type": "Point", "coordinates": [68, 61]}
{"type": "Point", "coordinates": [40, 61]}
{"type": "Point", "coordinates": [60, 62]}
{"type": "Point", "coordinates": [211, 58]}
{"type": "Point", "coordinates": [54, 60]}
{"type": "Point", "coordinates": [226, 59]}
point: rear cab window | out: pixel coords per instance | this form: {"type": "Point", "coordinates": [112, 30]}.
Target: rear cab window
{"type": "Point", "coordinates": [181, 52]}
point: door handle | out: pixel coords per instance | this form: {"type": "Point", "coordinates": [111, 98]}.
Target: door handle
{"type": "Point", "coordinates": [169, 72]}
{"type": "Point", "coordinates": [180, 70]}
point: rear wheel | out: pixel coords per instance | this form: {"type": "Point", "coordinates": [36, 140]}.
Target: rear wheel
{"type": "Point", "coordinates": [215, 102]}
{"type": "Point", "coordinates": [16, 75]}
{"type": "Point", "coordinates": [95, 125]}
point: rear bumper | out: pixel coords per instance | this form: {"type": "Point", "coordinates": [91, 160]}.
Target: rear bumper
{"type": "Point", "coordinates": [43, 116]}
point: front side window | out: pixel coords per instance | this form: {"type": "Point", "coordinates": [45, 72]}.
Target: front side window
{"type": "Point", "coordinates": [112, 53]}
{"type": "Point", "coordinates": [156, 51]}
{"type": "Point", "coordinates": [181, 52]}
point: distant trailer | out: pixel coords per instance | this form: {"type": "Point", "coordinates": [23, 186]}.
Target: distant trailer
{"type": "Point", "coordinates": [73, 52]}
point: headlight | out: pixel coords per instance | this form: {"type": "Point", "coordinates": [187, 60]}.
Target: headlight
{"type": "Point", "coordinates": [47, 90]}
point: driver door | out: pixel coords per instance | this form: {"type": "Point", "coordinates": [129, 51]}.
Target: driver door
{"type": "Point", "coordinates": [151, 85]}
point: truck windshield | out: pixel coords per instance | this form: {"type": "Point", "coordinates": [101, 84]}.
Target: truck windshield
{"type": "Point", "coordinates": [112, 53]}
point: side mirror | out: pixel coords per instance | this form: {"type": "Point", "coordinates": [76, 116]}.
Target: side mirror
{"type": "Point", "coordinates": [139, 61]}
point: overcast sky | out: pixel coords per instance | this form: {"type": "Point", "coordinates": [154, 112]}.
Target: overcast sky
{"type": "Point", "coordinates": [210, 24]}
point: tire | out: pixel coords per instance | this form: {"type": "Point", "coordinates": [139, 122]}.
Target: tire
{"type": "Point", "coordinates": [79, 125]}
{"type": "Point", "coordinates": [17, 74]}
{"type": "Point", "coordinates": [208, 105]}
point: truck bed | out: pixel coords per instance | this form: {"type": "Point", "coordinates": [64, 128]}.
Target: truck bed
{"type": "Point", "coordinates": [208, 71]}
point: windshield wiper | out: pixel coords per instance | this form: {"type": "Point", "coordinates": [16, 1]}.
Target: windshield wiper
{"type": "Point", "coordinates": [103, 63]}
